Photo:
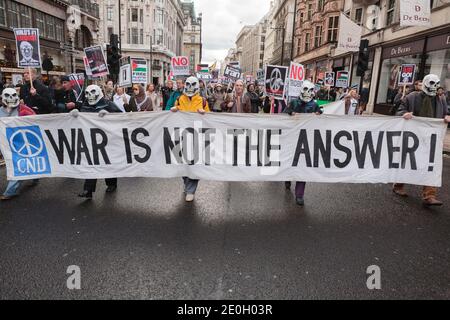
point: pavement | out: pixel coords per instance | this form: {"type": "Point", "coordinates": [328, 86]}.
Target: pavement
{"type": "Point", "coordinates": [447, 142]}
{"type": "Point", "coordinates": [236, 241]}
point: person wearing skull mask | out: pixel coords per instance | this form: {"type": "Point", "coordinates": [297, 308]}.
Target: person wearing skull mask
{"type": "Point", "coordinates": [11, 107]}
{"type": "Point", "coordinates": [95, 102]}
{"type": "Point", "coordinates": [426, 104]}
{"type": "Point", "coordinates": [304, 104]}
{"type": "Point", "coordinates": [191, 101]}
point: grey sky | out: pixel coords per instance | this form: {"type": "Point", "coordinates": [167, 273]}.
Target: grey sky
{"type": "Point", "coordinates": [222, 21]}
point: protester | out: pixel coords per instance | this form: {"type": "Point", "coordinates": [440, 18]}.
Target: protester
{"type": "Point", "coordinates": [253, 96]}
{"type": "Point", "coordinates": [304, 104]}
{"type": "Point", "coordinates": [166, 93]}
{"type": "Point", "coordinates": [424, 104]}
{"type": "Point", "coordinates": [340, 94]}
{"type": "Point", "coordinates": [176, 94]}
{"type": "Point", "coordinates": [274, 106]}
{"type": "Point", "coordinates": [218, 98]}
{"type": "Point", "coordinates": [139, 101]}
{"type": "Point", "coordinates": [203, 91]}
{"type": "Point", "coordinates": [121, 98]}
{"type": "Point", "coordinates": [11, 107]}
{"type": "Point", "coordinates": [38, 98]}
{"type": "Point", "coordinates": [191, 101]}
{"type": "Point", "coordinates": [418, 85]}
{"type": "Point", "coordinates": [351, 103]}
{"type": "Point", "coordinates": [70, 96]}
{"type": "Point", "coordinates": [238, 103]}
{"type": "Point", "coordinates": [154, 96]}
{"type": "Point", "coordinates": [96, 103]}
{"type": "Point", "coordinates": [58, 94]}
{"type": "Point", "coordinates": [109, 90]}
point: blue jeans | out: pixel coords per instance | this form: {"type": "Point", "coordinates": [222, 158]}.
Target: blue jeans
{"type": "Point", "coordinates": [190, 185]}
{"type": "Point", "coordinates": [12, 189]}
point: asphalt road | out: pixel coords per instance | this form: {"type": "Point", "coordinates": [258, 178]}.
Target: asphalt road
{"type": "Point", "coordinates": [237, 241]}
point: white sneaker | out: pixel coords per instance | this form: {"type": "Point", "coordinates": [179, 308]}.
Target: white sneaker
{"type": "Point", "coordinates": [189, 197]}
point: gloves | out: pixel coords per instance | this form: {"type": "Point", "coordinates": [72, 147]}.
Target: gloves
{"type": "Point", "coordinates": [74, 113]}
{"type": "Point", "coordinates": [102, 113]}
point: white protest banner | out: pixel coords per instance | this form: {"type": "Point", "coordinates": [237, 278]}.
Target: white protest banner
{"type": "Point", "coordinates": [275, 81]}
{"type": "Point", "coordinates": [180, 66]}
{"type": "Point", "coordinates": [225, 147]}
{"type": "Point", "coordinates": [139, 71]}
{"type": "Point", "coordinates": [349, 35]}
{"type": "Point", "coordinates": [296, 77]}
{"type": "Point", "coordinates": [415, 13]}
{"type": "Point", "coordinates": [96, 61]}
{"type": "Point", "coordinates": [336, 108]}
{"type": "Point", "coordinates": [28, 48]}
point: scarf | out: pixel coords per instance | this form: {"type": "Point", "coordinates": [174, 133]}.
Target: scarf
{"type": "Point", "coordinates": [427, 109]}
{"type": "Point", "coordinates": [141, 97]}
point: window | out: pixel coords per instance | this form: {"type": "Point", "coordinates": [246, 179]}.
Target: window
{"type": "Point", "coordinates": [25, 17]}
{"type": "Point", "coordinates": [333, 23]}
{"type": "Point", "coordinates": [109, 13]}
{"type": "Point", "coordinates": [141, 15]}
{"type": "Point", "coordinates": [50, 28]}
{"type": "Point", "coordinates": [390, 12]}
{"type": "Point", "coordinates": [318, 37]}
{"type": "Point", "coordinates": [2, 13]}
{"type": "Point", "coordinates": [358, 16]}
{"type": "Point", "coordinates": [141, 36]}
{"type": "Point", "coordinates": [110, 32]}
{"type": "Point", "coordinates": [13, 15]}
{"type": "Point", "coordinates": [134, 15]}
{"type": "Point", "coordinates": [307, 41]}
{"type": "Point", "coordinates": [192, 39]}
{"type": "Point", "coordinates": [310, 11]}
{"type": "Point", "coordinates": [59, 30]}
{"type": "Point", "coordinates": [40, 23]}
{"type": "Point", "coordinates": [134, 36]}
{"type": "Point", "coordinates": [320, 5]}
{"type": "Point", "coordinates": [299, 45]}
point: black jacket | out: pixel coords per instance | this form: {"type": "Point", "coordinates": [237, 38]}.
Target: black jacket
{"type": "Point", "coordinates": [41, 102]}
{"type": "Point", "coordinates": [103, 104]}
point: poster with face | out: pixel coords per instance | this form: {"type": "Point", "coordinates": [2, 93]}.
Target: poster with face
{"type": "Point", "coordinates": [275, 81]}
{"type": "Point", "coordinates": [28, 49]}
{"type": "Point", "coordinates": [96, 60]}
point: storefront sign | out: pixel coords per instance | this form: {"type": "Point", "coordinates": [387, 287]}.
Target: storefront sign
{"type": "Point", "coordinates": [349, 35]}
{"type": "Point", "coordinates": [415, 13]}
{"type": "Point", "coordinates": [405, 49]}
{"type": "Point", "coordinates": [406, 75]}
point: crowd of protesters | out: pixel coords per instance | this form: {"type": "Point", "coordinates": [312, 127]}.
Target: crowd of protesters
{"type": "Point", "coordinates": [59, 96]}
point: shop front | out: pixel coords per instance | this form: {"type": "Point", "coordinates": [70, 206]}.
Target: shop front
{"type": "Point", "coordinates": [430, 54]}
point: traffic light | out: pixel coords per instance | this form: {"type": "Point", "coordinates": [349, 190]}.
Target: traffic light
{"type": "Point", "coordinates": [113, 56]}
{"type": "Point", "coordinates": [363, 58]}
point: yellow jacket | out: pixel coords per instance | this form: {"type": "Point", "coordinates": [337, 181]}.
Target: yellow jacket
{"type": "Point", "coordinates": [185, 104]}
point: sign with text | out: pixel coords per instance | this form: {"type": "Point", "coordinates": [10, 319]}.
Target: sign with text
{"type": "Point", "coordinates": [139, 71]}
{"type": "Point", "coordinates": [415, 13]}
{"type": "Point", "coordinates": [125, 72]}
{"type": "Point", "coordinates": [406, 74]}
{"type": "Point", "coordinates": [77, 81]}
{"type": "Point", "coordinates": [275, 81]}
{"type": "Point", "coordinates": [349, 35]}
{"type": "Point", "coordinates": [28, 49]}
{"type": "Point", "coordinates": [180, 66]}
{"type": "Point", "coordinates": [296, 77]}
{"type": "Point", "coordinates": [233, 73]}
{"type": "Point", "coordinates": [225, 147]}
{"type": "Point", "coordinates": [342, 79]}
{"type": "Point", "coordinates": [96, 61]}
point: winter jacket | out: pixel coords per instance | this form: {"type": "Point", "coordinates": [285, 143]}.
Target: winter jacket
{"type": "Point", "coordinates": [186, 104]}
{"type": "Point", "coordinates": [299, 106]}
{"type": "Point", "coordinates": [41, 102]}
{"type": "Point", "coordinates": [103, 104]}
{"type": "Point", "coordinates": [21, 111]}
{"type": "Point", "coordinates": [166, 92]}
{"type": "Point", "coordinates": [413, 102]}
{"type": "Point", "coordinates": [173, 97]}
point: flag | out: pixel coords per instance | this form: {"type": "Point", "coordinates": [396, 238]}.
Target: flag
{"type": "Point", "coordinates": [213, 67]}
{"type": "Point", "coordinates": [349, 35]}
{"type": "Point", "coordinates": [202, 68]}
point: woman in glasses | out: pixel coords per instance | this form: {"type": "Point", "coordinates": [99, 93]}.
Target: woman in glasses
{"type": "Point", "coordinates": [139, 101]}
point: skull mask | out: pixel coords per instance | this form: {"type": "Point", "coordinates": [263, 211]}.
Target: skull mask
{"type": "Point", "coordinates": [10, 98]}
{"type": "Point", "coordinates": [307, 91]}
{"type": "Point", "coordinates": [93, 94]}
{"type": "Point", "coordinates": [191, 86]}
{"type": "Point", "coordinates": [430, 84]}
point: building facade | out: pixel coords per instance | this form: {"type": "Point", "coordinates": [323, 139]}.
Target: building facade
{"type": "Point", "coordinates": [56, 40]}
{"type": "Point", "coordinates": [192, 39]}
{"type": "Point", "coordinates": [252, 45]}
{"type": "Point", "coordinates": [150, 30]}
{"type": "Point", "coordinates": [283, 25]}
